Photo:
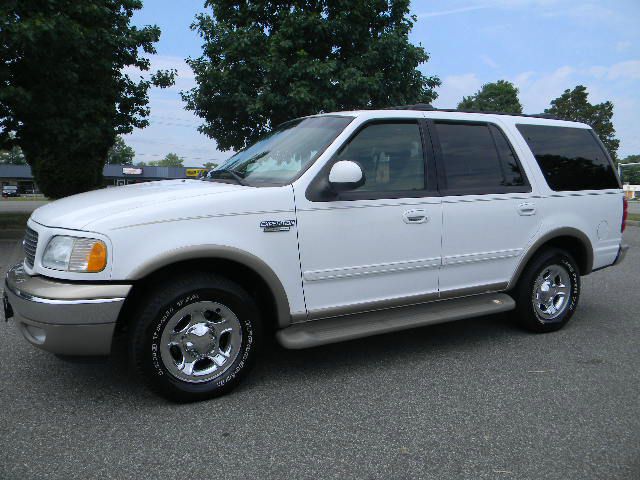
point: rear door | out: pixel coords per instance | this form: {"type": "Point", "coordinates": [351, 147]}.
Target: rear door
{"type": "Point", "coordinates": [489, 211]}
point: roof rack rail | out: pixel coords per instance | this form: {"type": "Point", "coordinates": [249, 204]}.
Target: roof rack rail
{"type": "Point", "coordinates": [416, 106]}
{"type": "Point", "coordinates": [429, 107]}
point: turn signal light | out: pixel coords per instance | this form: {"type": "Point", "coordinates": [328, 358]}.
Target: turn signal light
{"type": "Point", "coordinates": [97, 258]}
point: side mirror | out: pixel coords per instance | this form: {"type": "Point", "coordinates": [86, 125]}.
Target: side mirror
{"type": "Point", "coordinates": [346, 175]}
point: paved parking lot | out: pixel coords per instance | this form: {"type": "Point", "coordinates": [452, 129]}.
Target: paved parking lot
{"type": "Point", "coordinates": [473, 399]}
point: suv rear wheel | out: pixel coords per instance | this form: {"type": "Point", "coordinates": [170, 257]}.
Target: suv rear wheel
{"type": "Point", "coordinates": [548, 291]}
{"type": "Point", "coordinates": [195, 337]}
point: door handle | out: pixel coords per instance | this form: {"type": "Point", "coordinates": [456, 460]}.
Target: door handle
{"type": "Point", "coordinates": [415, 216]}
{"type": "Point", "coordinates": [526, 209]}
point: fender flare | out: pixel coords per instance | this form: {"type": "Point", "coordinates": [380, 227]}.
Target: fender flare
{"type": "Point", "coordinates": [559, 232]}
{"type": "Point", "coordinates": [223, 252]}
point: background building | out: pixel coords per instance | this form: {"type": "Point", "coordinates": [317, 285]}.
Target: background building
{"type": "Point", "coordinates": [114, 175]}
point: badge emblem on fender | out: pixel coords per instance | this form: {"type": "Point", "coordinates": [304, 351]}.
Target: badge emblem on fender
{"type": "Point", "coordinates": [277, 225]}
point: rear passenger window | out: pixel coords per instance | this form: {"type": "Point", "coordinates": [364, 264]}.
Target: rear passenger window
{"type": "Point", "coordinates": [570, 158]}
{"type": "Point", "coordinates": [477, 158]}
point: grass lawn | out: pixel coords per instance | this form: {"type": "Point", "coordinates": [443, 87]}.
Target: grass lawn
{"type": "Point", "coordinates": [634, 216]}
{"type": "Point", "coordinates": [37, 198]}
{"type": "Point", "coordinates": [14, 221]}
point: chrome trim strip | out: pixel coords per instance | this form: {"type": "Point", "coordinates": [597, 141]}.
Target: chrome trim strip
{"type": "Point", "coordinates": [481, 257]}
{"type": "Point", "coordinates": [349, 204]}
{"type": "Point", "coordinates": [375, 269]}
{"type": "Point", "coordinates": [53, 301]}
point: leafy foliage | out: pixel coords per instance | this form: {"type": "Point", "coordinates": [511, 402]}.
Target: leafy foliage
{"type": "Point", "coordinates": [13, 156]}
{"type": "Point", "coordinates": [171, 160]}
{"type": "Point", "coordinates": [631, 174]}
{"type": "Point", "coordinates": [120, 153]}
{"type": "Point", "coordinates": [500, 96]}
{"type": "Point", "coordinates": [210, 165]}
{"type": "Point", "coordinates": [265, 62]}
{"type": "Point", "coordinates": [574, 105]}
{"type": "Point", "coordinates": [64, 93]}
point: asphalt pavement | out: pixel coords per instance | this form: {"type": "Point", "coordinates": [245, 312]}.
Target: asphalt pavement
{"type": "Point", "coordinates": [474, 399]}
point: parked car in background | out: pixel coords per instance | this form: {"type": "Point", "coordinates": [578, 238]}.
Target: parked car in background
{"type": "Point", "coordinates": [10, 191]}
{"type": "Point", "coordinates": [333, 227]}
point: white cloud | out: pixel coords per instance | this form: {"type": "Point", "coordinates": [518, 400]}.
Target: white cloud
{"type": "Point", "coordinates": [623, 45]}
{"type": "Point", "coordinates": [487, 60]}
{"type": "Point", "coordinates": [537, 90]}
{"type": "Point", "coordinates": [586, 11]}
{"type": "Point", "coordinates": [453, 11]}
{"type": "Point", "coordinates": [629, 70]}
{"type": "Point", "coordinates": [454, 87]}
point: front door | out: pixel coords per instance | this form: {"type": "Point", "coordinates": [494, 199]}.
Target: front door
{"type": "Point", "coordinates": [379, 245]}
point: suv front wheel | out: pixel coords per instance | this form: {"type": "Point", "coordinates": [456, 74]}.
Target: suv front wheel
{"type": "Point", "coordinates": [195, 337]}
{"type": "Point", "coordinates": [548, 291]}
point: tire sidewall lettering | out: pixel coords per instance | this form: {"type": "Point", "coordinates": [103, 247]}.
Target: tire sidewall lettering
{"type": "Point", "coordinates": [167, 313]}
{"type": "Point", "coordinates": [575, 289]}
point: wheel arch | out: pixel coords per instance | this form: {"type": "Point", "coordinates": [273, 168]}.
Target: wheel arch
{"type": "Point", "coordinates": [240, 266]}
{"type": "Point", "coordinates": [572, 240]}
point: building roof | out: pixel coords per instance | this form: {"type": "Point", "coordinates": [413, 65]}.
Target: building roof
{"type": "Point", "coordinates": [109, 171]}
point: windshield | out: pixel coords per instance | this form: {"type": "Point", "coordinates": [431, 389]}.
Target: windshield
{"type": "Point", "coordinates": [280, 156]}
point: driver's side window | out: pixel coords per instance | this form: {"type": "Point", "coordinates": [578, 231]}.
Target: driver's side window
{"type": "Point", "coordinates": [390, 155]}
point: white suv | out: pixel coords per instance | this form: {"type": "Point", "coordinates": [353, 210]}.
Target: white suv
{"type": "Point", "coordinates": [332, 227]}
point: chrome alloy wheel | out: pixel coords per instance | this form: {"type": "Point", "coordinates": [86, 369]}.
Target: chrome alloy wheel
{"type": "Point", "coordinates": [551, 292]}
{"type": "Point", "coordinates": [201, 341]}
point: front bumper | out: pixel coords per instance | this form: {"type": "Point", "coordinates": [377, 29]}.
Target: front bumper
{"type": "Point", "coordinates": [65, 318]}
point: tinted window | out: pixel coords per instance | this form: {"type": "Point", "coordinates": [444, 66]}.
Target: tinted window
{"type": "Point", "coordinates": [390, 155]}
{"type": "Point", "coordinates": [477, 158]}
{"type": "Point", "coordinates": [570, 158]}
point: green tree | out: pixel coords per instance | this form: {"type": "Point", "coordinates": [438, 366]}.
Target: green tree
{"type": "Point", "coordinates": [13, 156]}
{"type": "Point", "coordinates": [500, 96]}
{"type": "Point", "coordinates": [265, 62]}
{"type": "Point", "coordinates": [171, 160]}
{"type": "Point", "coordinates": [210, 165]}
{"type": "Point", "coordinates": [120, 153]}
{"type": "Point", "coordinates": [631, 174]}
{"type": "Point", "coordinates": [574, 105]}
{"type": "Point", "coordinates": [64, 93]}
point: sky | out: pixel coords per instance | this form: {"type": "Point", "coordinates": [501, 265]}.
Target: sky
{"type": "Point", "coordinates": [542, 46]}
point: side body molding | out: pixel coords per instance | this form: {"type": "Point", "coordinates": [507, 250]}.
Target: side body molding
{"type": "Point", "coordinates": [549, 236]}
{"type": "Point", "coordinates": [222, 252]}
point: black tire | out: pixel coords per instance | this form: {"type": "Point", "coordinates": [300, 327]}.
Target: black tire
{"type": "Point", "coordinates": [159, 307]}
{"type": "Point", "coordinates": [526, 313]}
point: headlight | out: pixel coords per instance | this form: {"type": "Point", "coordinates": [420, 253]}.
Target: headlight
{"type": "Point", "coordinates": [75, 254]}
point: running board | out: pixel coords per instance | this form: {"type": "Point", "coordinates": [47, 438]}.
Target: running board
{"type": "Point", "coordinates": [331, 330]}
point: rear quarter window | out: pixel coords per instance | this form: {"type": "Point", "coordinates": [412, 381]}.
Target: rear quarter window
{"type": "Point", "coordinates": [570, 158]}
